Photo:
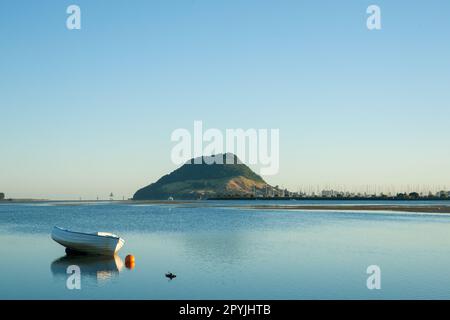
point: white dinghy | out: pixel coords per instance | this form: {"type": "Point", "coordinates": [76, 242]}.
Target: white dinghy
{"type": "Point", "coordinates": [102, 243]}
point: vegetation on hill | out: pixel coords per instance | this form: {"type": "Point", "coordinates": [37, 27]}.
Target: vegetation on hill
{"type": "Point", "coordinates": [203, 180]}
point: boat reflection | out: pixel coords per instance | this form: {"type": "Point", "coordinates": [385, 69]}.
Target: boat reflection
{"type": "Point", "coordinates": [99, 268]}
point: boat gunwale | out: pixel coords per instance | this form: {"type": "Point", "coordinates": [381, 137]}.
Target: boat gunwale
{"type": "Point", "coordinates": [88, 234]}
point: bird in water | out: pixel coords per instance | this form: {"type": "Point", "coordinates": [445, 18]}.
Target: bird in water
{"type": "Point", "coordinates": [170, 275]}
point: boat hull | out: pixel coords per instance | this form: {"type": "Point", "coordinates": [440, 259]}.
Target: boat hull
{"type": "Point", "coordinates": [88, 243]}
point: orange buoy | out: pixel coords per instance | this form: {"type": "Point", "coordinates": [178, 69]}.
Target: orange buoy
{"type": "Point", "coordinates": [129, 261]}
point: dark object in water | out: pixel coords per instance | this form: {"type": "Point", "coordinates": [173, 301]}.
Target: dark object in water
{"type": "Point", "coordinates": [170, 275]}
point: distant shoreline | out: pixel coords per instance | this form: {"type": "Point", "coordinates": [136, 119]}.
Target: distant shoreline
{"type": "Point", "coordinates": [334, 198]}
{"type": "Point", "coordinates": [6, 201]}
{"type": "Point", "coordinates": [405, 207]}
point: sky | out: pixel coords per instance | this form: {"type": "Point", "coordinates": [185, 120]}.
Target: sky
{"type": "Point", "coordinates": [87, 112]}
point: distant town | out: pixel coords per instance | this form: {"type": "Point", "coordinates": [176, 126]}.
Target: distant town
{"type": "Point", "coordinates": [273, 193]}
{"type": "Point", "coordinates": [276, 193]}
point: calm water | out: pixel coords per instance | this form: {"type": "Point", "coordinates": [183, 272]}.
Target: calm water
{"type": "Point", "coordinates": [221, 252]}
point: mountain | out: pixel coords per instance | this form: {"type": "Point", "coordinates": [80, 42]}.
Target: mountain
{"type": "Point", "coordinates": [202, 180]}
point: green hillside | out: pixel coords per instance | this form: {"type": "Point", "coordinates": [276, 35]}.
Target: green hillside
{"type": "Point", "coordinates": [194, 181]}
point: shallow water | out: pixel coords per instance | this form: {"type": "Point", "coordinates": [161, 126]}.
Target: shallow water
{"type": "Point", "coordinates": [222, 252]}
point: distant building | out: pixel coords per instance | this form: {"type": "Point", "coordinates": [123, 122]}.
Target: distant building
{"type": "Point", "coordinates": [326, 193]}
{"type": "Point", "coordinates": [2, 196]}
{"type": "Point", "coordinates": [329, 193]}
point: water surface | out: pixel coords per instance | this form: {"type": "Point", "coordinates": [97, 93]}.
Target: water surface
{"type": "Point", "coordinates": [222, 252]}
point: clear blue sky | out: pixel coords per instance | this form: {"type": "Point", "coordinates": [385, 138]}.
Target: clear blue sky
{"type": "Point", "coordinates": [90, 111]}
